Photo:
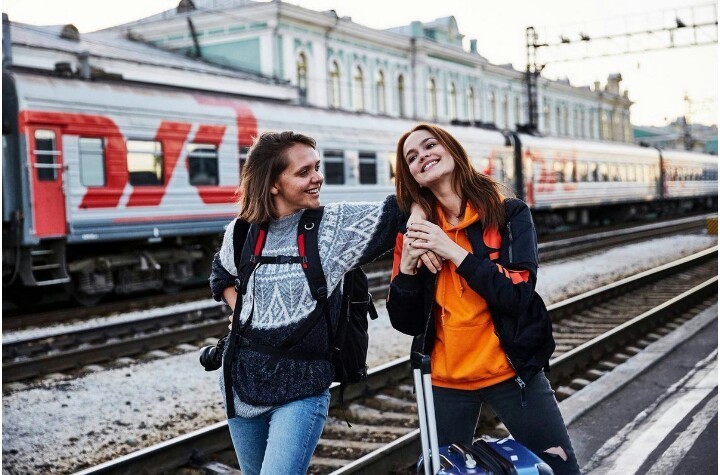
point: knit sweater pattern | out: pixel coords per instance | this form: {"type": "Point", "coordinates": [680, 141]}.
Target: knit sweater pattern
{"type": "Point", "coordinates": [279, 298]}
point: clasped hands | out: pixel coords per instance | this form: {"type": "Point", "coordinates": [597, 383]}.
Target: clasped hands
{"type": "Point", "coordinates": [425, 243]}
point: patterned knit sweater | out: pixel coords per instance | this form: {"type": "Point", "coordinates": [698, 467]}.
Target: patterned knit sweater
{"type": "Point", "coordinates": [349, 235]}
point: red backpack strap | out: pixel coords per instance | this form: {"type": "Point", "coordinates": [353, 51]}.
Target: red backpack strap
{"type": "Point", "coordinates": [308, 249]}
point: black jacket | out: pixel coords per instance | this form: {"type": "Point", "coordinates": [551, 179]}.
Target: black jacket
{"type": "Point", "coordinates": [521, 320]}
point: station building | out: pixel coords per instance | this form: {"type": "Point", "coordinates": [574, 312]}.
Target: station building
{"type": "Point", "coordinates": [420, 71]}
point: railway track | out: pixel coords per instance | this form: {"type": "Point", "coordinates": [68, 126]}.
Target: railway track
{"type": "Point", "coordinates": [52, 352]}
{"type": "Point", "coordinates": [558, 247]}
{"type": "Point", "coordinates": [594, 331]}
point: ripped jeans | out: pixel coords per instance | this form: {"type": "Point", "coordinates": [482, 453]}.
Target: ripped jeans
{"type": "Point", "coordinates": [538, 425]}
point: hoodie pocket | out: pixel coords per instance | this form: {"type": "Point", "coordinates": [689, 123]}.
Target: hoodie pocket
{"type": "Point", "coordinates": [469, 353]}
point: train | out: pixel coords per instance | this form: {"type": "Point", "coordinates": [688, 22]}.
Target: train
{"type": "Point", "coordinates": [116, 187]}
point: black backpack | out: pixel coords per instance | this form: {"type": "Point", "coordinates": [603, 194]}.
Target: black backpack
{"type": "Point", "coordinates": [348, 342]}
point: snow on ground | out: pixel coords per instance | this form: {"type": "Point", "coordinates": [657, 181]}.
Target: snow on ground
{"type": "Point", "coordinates": [67, 425]}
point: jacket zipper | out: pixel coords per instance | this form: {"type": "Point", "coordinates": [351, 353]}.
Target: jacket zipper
{"type": "Point", "coordinates": [511, 241]}
{"type": "Point", "coordinates": [429, 317]}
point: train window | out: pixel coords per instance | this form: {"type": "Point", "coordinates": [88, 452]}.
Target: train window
{"type": "Point", "coordinates": [603, 173]}
{"type": "Point", "coordinates": [559, 174]}
{"type": "Point", "coordinates": [582, 171]}
{"type": "Point", "coordinates": [334, 165]}
{"type": "Point", "coordinates": [623, 173]}
{"type": "Point", "coordinates": [630, 172]}
{"type": "Point", "coordinates": [594, 174]}
{"type": "Point", "coordinates": [368, 168]}
{"type": "Point", "coordinates": [45, 155]}
{"type": "Point", "coordinates": [570, 172]}
{"type": "Point", "coordinates": [145, 162]}
{"type": "Point", "coordinates": [203, 164]}
{"type": "Point", "coordinates": [92, 162]}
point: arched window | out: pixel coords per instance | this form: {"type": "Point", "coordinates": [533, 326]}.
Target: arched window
{"type": "Point", "coordinates": [491, 105]}
{"type": "Point", "coordinates": [432, 91]}
{"type": "Point", "coordinates": [558, 121]}
{"type": "Point", "coordinates": [471, 104]}
{"type": "Point", "coordinates": [504, 120]}
{"type": "Point", "coordinates": [335, 85]}
{"type": "Point", "coordinates": [380, 92]}
{"type": "Point", "coordinates": [358, 87]}
{"type": "Point", "coordinates": [401, 95]}
{"type": "Point", "coordinates": [302, 78]}
{"type": "Point", "coordinates": [452, 107]}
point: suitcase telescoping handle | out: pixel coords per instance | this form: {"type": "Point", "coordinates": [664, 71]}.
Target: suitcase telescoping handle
{"type": "Point", "coordinates": [426, 411]}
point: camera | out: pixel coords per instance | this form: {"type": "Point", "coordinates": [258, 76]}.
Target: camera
{"type": "Point", "coordinates": [211, 356]}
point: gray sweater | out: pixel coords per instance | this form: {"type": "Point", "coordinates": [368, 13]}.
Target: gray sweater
{"type": "Point", "coordinates": [349, 235]}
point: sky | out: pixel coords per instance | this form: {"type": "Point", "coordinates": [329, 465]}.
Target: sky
{"type": "Point", "coordinates": [657, 81]}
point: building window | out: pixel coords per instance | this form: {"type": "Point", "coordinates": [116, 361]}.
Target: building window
{"type": "Point", "coordinates": [203, 164]}
{"type": "Point", "coordinates": [592, 125]}
{"type": "Point", "coordinates": [504, 111]}
{"type": "Point", "coordinates": [518, 111]}
{"type": "Point", "coordinates": [471, 104]}
{"type": "Point", "coordinates": [558, 121]}
{"type": "Point", "coordinates": [92, 162]}
{"type": "Point", "coordinates": [491, 100]}
{"type": "Point", "coordinates": [582, 124]}
{"type": "Point", "coordinates": [368, 168]}
{"type": "Point", "coordinates": [46, 155]}
{"type": "Point", "coordinates": [452, 106]}
{"type": "Point", "coordinates": [335, 85]}
{"type": "Point", "coordinates": [358, 87]}
{"type": "Point", "coordinates": [334, 165]}
{"type": "Point", "coordinates": [432, 96]}
{"type": "Point", "coordinates": [302, 75]}
{"type": "Point", "coordinates": [546, 117]}
{"type": "Point", "coordinates": [145, 162]}
{"type": "Point", "coordinates": [566, 120]}
{"type": "Point", "coordinates": [401, 95]}
{"type": "Point", "coordinates": [380, 92]}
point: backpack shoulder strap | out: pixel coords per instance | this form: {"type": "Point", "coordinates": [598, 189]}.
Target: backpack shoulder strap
{"type": "Point", "coordinates": [248, 242]}
{"type": "Point", "coordinates": [309, 249]}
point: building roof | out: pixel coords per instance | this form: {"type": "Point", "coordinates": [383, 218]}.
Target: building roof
{"type": "Point", "coordinates": [114, 53]}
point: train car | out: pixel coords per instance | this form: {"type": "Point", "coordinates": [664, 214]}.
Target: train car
{"type": "Point", "coordinates": [690, 179]}
{"type": "Point", "coordinates": [587, 178]}
{"type": "Point", "coordinates": [117, 187]}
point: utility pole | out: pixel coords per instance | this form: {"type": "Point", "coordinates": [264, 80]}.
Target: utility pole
{"type": "Point", "coordinates": [531, 78]}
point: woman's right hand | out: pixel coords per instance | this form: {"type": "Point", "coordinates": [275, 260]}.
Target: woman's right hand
{"type": "Point", "coordinates": [230, 296]}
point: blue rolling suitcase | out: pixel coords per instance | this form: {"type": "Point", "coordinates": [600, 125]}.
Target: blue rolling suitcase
{"type": "Point", "coordinates": [496, 457]}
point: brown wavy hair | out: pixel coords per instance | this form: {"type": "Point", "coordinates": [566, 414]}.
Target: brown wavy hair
{"type": "Point", "coordinates": [266, 160]}
{"type": "Point", "coordinates": [480, 190]}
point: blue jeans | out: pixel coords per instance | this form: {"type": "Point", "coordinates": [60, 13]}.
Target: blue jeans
{"type": "Point", "coordinates": [539, 426]}
{"type": "Point", "coordinates": [281, 440]}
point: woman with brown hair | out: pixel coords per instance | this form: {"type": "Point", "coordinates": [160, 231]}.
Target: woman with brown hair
{"type": "Point", "coordinates": [487, 331]}
{"type": "Point", "coordinates": [281, 403]}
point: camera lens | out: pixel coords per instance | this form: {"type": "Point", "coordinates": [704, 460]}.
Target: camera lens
{"type": "Point", "coordinates": [210, 358]}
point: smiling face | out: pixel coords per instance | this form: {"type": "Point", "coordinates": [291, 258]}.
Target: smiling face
{"type": "Point", "coordinates": [429, 163]}
{"type": "Point", "coordinates": [298, 186]}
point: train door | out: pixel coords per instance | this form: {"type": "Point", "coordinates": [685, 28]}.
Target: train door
{"type": "Point", "coordinates": [46, 169]}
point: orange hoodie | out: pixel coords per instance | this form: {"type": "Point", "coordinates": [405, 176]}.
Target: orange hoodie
{"type": "Point", "coordinates": [467, 353]}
